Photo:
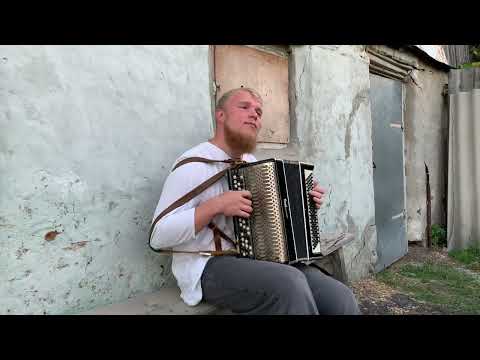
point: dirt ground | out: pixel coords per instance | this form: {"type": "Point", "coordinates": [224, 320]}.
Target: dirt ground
{"type": "Point", "coordinates": [377, 298]}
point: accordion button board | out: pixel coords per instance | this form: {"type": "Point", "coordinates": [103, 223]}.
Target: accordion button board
{"type": "Point", "coordinates": [283, 226]}
{"type": "Point", "coordinates": [244, 230]}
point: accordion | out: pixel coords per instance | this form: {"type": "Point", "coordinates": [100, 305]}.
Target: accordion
{"type": "Point", "coordinates": [283, 226]}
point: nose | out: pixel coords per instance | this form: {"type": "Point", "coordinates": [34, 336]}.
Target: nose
{"type": "Point", "coordinates": [257, 119]}
{"type": "Point", "coordinates": [253, 114]}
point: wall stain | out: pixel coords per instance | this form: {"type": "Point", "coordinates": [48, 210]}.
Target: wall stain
{"type": "Point", "coordinates": [76, 245]}
{"type": "Point", "coordinates": [121, 271]}
{"type": "Point", "coordinates": [367, 234]}
{"type": "Point", "coordinates": [51, 235]}
{"type": "Point", "coordinates": [357, 101]}
{"type": "Point", "coordinates": [82, 284]}
{"type": "Point", "coordinates": [21, 251]}
{"type": "Point", "coordinates": [28, 211]}
{"type": "Point", "coordinates": [137, 220]}
{"type": "Point", "coordinates": [62, 206]}
{"type": "Point", "coordinates": [116, 238]}
{"type": "Point", "coordinates": [112, 205]}
{"type": "Point", "coordinates": [25, 275]}
{"type": "Point", "coordinates": [48, 300]}
{"type": "Point", "coordinates": [89, 261]}
{"type": "Point", "coordinates": [352, 228]}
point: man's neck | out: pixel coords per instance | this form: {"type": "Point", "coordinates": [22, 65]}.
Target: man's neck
{"type": "Point", "coordinates": [222, 145]}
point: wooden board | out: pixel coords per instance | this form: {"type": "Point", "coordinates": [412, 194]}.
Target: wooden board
{"type": "Point", "coordinates": [237, 66]}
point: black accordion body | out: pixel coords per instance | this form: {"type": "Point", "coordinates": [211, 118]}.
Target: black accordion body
{"type": "Point", "coordinates": [283, 226]}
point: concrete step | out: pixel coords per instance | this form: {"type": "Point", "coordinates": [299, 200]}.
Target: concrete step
{"type": "Point", "coordinates": [163, 302]}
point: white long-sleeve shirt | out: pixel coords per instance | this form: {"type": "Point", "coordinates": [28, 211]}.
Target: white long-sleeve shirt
{"type": "Point", "coordinates": [176, 230]}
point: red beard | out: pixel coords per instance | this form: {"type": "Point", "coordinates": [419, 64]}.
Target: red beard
{"type": "Point", "coordinates": [240, 142]}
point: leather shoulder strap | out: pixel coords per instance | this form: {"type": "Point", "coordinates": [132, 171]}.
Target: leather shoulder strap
{"type": "Point", "coordinates": [200, 159]}
{"type": "Point", "coordinates": [190, 195]}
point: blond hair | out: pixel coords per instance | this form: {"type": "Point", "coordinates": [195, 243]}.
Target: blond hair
{"type": "Point", "coordinates": [224, 98]}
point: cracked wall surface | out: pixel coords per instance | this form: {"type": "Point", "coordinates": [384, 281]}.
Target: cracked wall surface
{"type": "Point", "coordinates": [332, 129]}
{"type": "Point", "coordinates": [88, 136]}
{"type": "Point", "coordinates": [91, 134]}
{"type": "Point", "coordinates": [426, 142]}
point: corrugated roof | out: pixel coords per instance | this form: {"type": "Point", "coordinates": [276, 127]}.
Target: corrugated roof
{"type": "Point", "coordinates": [434, 52]}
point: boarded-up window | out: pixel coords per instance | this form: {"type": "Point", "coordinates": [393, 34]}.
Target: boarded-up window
{"type": "Point", "coordinates": [264, 71]}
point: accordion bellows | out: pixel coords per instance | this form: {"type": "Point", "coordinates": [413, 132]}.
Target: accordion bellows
{"type": "Point", "coordinates": [283, 226]}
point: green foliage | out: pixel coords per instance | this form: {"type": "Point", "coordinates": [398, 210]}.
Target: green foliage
{"type": "Point", "coordinates": [439, 236]}
{"type": "Point", "coordinates": [470, 257]}
{"type": "Point", "coordinates": [475, 52]}
{"type": "Point", "coordinates": [438, 284]}
{"type": "Point", "coordinates": [475, 57]}
{"type": "Point", "coordinates": [470, 65]}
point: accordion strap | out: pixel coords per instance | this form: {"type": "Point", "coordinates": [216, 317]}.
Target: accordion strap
{"type": "Point", "coordinates": [204, 160]}
{"type": "Point", "coordinates": [217, 233]}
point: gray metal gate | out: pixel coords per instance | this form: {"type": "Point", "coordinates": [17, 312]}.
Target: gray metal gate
{"type": "Point", "coordinates": [388, 173]}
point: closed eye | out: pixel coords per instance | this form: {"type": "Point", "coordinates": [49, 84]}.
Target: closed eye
{"type": "Point", "coordinates": [246, 105]}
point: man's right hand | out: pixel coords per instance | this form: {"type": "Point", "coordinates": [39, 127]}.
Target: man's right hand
{"type": "Point", "coordinates": [236, 203]}
{"type": "Point", "coordinates": [230, 203]}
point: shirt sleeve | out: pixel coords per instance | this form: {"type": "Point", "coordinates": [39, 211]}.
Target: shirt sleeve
{"type": "Point", "coordinates": [178, 226]}
{"type": "Point", "coordinates": [251, 158]}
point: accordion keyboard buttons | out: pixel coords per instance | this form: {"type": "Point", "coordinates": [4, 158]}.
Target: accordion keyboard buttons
{"type": "Point", "coordinates": [244, 237]}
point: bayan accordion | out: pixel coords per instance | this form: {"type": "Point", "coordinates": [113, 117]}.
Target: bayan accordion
{"type": "Point", "coordinates": [283, 226]}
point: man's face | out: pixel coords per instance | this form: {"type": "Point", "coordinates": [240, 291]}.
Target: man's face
{"type": "Point", "coordinates": [242, 116]}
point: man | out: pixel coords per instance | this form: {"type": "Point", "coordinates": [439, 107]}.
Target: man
{"type": "Point", "coordinates": [244, 286]}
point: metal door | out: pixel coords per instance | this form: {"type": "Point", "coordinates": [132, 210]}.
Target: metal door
{"type": "Point", "coordinates": [388, 169]}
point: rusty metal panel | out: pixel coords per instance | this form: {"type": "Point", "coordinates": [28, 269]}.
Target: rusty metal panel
{"type": "Point", "coordinates": [237, 66]}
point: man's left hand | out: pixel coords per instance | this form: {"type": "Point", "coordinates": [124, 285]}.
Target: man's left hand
{"type": "Point", "coordinates": [317, 193]}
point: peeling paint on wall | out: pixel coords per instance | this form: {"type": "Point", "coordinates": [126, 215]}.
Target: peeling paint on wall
{"type": "Point", "coordinates": [426, 141]}
{"type": "Point", "coordinates": [332, 129]}
{"type": "Point", "coordinates": [90, 133]}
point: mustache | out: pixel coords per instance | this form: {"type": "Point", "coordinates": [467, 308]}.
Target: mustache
{"type": "Point", "coordinates": [251, 123]}
{"type": "Point", "coordinates": [238, 140]}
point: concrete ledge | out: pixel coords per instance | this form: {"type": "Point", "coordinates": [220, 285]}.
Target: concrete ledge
{"type": "Point", "coordinates": [164, 302]}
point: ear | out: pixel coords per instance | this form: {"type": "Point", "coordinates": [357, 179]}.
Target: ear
{"type": "Point", "coordinates": [220, 115]}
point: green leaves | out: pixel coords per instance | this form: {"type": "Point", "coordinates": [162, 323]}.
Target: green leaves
{"type": "Point", "coordinates": [475, 52]}
{"type": "Point", "coordinates": [439, 236]}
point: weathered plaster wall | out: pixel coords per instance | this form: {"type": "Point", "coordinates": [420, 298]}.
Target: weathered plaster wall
{"type": "Point", "coordinates": [426, 142]}
{"type": "Point", "coordinates": [87, 137]}
{"type": "Point", "coordinates": [332, 129]}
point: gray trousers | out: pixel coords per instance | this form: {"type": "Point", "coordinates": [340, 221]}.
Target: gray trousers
{"type": "Point", "coordinates": [254, 287]}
